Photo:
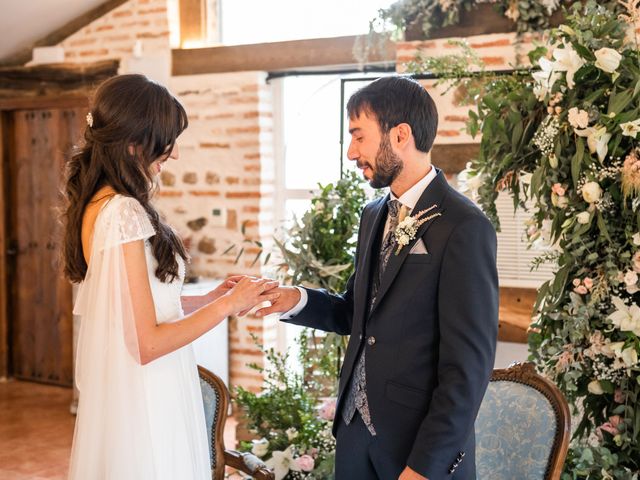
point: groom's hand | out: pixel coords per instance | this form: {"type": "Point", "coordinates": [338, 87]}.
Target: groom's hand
{"type": "Point", "coordinates": [289, 298]}
{"type": "Point", "coordinates": [408, 474]}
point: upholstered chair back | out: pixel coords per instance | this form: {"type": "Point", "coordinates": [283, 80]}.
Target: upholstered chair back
{"type": "Point", "coordinates": [522, 429]}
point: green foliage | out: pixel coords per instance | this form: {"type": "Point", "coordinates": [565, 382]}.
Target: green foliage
{"type": "Point", "coordinates": [563, 148]}
{"type": "Point", "coordinates": [286, 413]}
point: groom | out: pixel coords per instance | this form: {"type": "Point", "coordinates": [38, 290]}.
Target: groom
{"type": "Point", "coordinates": [421, 306]}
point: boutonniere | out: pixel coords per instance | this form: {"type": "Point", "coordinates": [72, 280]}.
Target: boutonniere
{"type": "Point", "coordinates": [409, 225]}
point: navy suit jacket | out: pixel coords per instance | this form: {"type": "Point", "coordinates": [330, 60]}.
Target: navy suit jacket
{"type": "Point", "coordinates": [430, 336]}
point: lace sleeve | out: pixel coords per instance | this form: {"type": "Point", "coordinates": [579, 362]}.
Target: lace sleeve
{"type": "Point", "coordinates": [127, 221]}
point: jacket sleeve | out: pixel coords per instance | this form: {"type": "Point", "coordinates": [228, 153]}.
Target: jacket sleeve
{"type": "Point", "coordinates": [468, 321]}
{"type": "Point", "coordinates": [327, 311]}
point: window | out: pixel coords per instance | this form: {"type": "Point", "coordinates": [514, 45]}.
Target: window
{"type": "Point", "coordinates": [258, 21]}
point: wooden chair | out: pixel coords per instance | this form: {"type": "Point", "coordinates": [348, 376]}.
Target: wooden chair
{"type": "Point", "coordinates": [523, 427]}
{"type": "Point", "coordinates": [215, 396]}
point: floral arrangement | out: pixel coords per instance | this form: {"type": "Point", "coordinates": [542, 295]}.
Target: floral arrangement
{"type": "Point", "coordinates": [291, 421]}
{"type": "Point", "coordinates": [565, 137]}
{"type": "Point", "coordinates": [527, 15]}
{"type": "Point", "coordinates": [409, 225]}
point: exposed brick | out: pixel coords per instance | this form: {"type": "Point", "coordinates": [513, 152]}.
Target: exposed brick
{"type": "Point", "coordinates": [207, 245]}
{"type": "Point", "coordinates": [493, 61]}
{"type": "Point", "coordinates": [235, 130]}
{"type": "Point", "coordinates": [204, 193]}
{"type": "Point", "coordinates": [503, 42]}
{"type": "Point", "coordinates": [214, 145]}
{"type": "Point", "coordinates": [103, 28]}
{"type": "Point", "coordinates": [244, 100]}
{"type": "Point", "coordinates": [232, 219]}
{"type": "Point", "coordinates": [83, 41]}
{"type": "Point", "coordinates": [152, 35]}
{"type": "Point", "coordinates": [167, 178]}
{"type": "Point", "coordinates": [448, 133]}
{"type": "Point", "coordinates": [455, 118]}
{"type": "Point", "coordinates": [243, 195]}
{"type": "Point", "coordinates": [232, 180]}
{"type": "Point", "coordinates": [94, 53]}
{"type": "Point", "coordinates": [197, 224]}
{"type": "Point", "coordinates": [122, 13]}
{"type": "Point", "coordinates": [253, 181]}
{"type": "Point", "coordinates": [252, 168]}
{"type": "Point", "coordinates": [149, 11]}
{"type": "Point", "coordinates": [250, 209]}
{"type": "Point", "coordinates": [212, 178]}
{"type": "Point", "coordinates": [252, 156]}
{"type": "Point", "coordinates": [190, 178]}
{"type": "Point", "coordinates": [169, 193]}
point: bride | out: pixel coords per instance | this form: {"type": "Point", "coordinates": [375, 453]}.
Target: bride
{"type": "Point", "coordinates": [140, 413]}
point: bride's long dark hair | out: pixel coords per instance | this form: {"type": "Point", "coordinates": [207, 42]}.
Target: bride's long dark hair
{"type": "Point", "coordinates": [129, 113]}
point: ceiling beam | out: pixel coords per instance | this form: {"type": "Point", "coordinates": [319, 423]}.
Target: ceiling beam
{"type": "Point", "coordinates": [317, 52]}
{"type": "Point", "coordinates": [57, 36]}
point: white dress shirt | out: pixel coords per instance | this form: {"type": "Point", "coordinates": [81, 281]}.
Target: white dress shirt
{"type": "Point", "coordinates": [408, 199]}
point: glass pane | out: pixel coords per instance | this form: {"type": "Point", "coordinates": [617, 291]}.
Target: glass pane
{"type": "Point", "coordinates": [311, 114]}
{"type": "Point", "coordinates": [258, 21]}
{"type": "Point", "coordinates": [295, 208]}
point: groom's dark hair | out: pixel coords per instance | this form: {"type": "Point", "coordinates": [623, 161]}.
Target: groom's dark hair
{"type": "Point", "coordinates": [395, 100]}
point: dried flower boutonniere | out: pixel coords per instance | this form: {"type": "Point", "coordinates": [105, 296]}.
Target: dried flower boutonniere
{"type": "Point", "coordinates": [408, 227]}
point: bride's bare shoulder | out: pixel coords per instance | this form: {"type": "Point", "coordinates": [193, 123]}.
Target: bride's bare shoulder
{"type": "Point", "coordinates": [90, 215]}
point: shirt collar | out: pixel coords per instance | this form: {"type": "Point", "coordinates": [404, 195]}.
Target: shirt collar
{"type": "Point", "coordinates": [410, 198]}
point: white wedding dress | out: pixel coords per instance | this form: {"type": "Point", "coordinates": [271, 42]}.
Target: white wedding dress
{"type": "Point", "coordinates": [135, 422]}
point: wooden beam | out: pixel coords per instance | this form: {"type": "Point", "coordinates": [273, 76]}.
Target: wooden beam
{"type": "Point", "coordinates": [4, 280]}
{"type": "Point", "coordinates": [63, 32]}
{"type": "Point", "coordinates": [192, 22]}
{"type": "Point", "coordinates": [274, 56]}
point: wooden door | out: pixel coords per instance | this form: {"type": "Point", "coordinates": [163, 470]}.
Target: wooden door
{"type": "Point", "coordinates": [40, 299]}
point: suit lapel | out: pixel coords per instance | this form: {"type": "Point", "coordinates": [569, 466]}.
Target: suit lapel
{"type": "Point", "coordinates": [379, 217]}
{"type": "Point", "coordinates": [433, 195]}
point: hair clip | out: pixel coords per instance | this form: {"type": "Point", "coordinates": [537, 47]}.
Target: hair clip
{"type": "Point", "coordinates": [90, 119]}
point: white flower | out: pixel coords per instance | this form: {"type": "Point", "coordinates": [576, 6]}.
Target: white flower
{"type": "Point", "coordinates": [636, 238]}
{"type": "Point", "coordinates": [578, 118]}
{"type": "Point", "coordinates": [545, 78]}
{"type": "Point", "coordinates": [89, 119]}
{"type": "Point", "coordinates": [626, 319]}
{"type": "Point", "coordinates": [583, 218]}
{"type": "Point", "coordinates": [567, 29]}
{"type": "Point", "coordinates": [591, 192]}
{"type": "Point", "coordinates": [260, 447]}
{"type": "Point", "coordinates": [292, 433]}
{"type": "Point", "coordinates": [404, 239]}
{"type": "Point", "coordinates": [597, 140]}
{"type": "Point", "coordinates": [474, 183]}
{"type": "Point", "coordinates": [553, 161]}
{"type": "Point", "coordinates": [567, 60]}
{"type": "Point", "coordinates": [630, 278]}
{"type": "Point", "coordinates": [282, 462]}
{"type": "Point", "coordinates": [629, 357]}
{"type": "Point", "coordinates": [631, 129]}
{"type": "Point", "coordinates": [558, 201]}
{"type": "Point", "coordinates": [607, 59]}
{"type": "Point", "coordinates": [595, 388]}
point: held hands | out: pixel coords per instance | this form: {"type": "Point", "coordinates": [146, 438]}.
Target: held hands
{"type": "Point", "coordinates": [288, 297]}
{"type": "Point", "coordinates": [247, 292]}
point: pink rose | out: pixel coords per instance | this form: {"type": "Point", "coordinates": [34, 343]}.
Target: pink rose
{"type": "Point", "coordinates": [618, 396]}
{"type": "Point", "coordinates": [588, 283]}
{"type": "Point", "coordinates": [328, 409]}
{"type": "Point", "coordinates": [305, 463]}
{"type": "Point", "coordinates": [558, 189]}
{"type": "Point", "coordinates": [582, 290]}
{"type": "Point", "coordinates": [636, 262]}
{"type": "Point", "coordinates": [612, 425]}
{"type": "Point", "coordinates": [576, 282]}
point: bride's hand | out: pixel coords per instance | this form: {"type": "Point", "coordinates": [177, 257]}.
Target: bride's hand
{"type": "Point", "coordinates": [249, 292]}
{"type": "Point", "coordinates": [191, 303]}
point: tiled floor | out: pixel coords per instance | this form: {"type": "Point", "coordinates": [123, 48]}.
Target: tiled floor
{"type": "Point", "coordinates": [36, 431]}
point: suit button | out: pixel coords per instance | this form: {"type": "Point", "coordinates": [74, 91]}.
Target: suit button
{"type": "Point", "coordinates": [371, 341]}
{"type": "Point", "coordinates": [360, 337]}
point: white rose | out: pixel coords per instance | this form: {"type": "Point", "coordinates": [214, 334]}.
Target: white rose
{"type": "Point", "coordinates": [591, 192]}
{"type": "Point", "coordinates": [629, 357]}
{"type": "Point", "coordinates": [558, 201]}
{"type": "Point", "coordinates": [578, 118]}
{"type": "Point", "coordinates": [595, 388]}
{"type": "Point", "coordinates": [404, 240]}
{"type": "Point", "coordinates": [636, 238]}
{"type": "Point", "coordinates": [260, 447]}
{"type": "Point", "coordinates": [553, 161]}
{"type": "Point", "coordinates": [607, 59]}
{"type": "Point", "coordinates": [630, 278]}
{"type": "Point", "coordinates": [583, 218]}
{"type": "Point", "coordinates": [292, 433]}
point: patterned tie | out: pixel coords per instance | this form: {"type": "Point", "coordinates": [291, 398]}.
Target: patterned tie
{"type": "Point", "coordinates": [357, 393]}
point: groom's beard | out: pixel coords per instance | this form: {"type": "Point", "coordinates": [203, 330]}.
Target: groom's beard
{"type": "Point", "coordinates": [388, 165]}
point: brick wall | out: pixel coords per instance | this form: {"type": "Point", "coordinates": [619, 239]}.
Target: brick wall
{"type": "Point", "coordinates": [115, 34]}
{"type": "Point", "coordinates": [226, 158]}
